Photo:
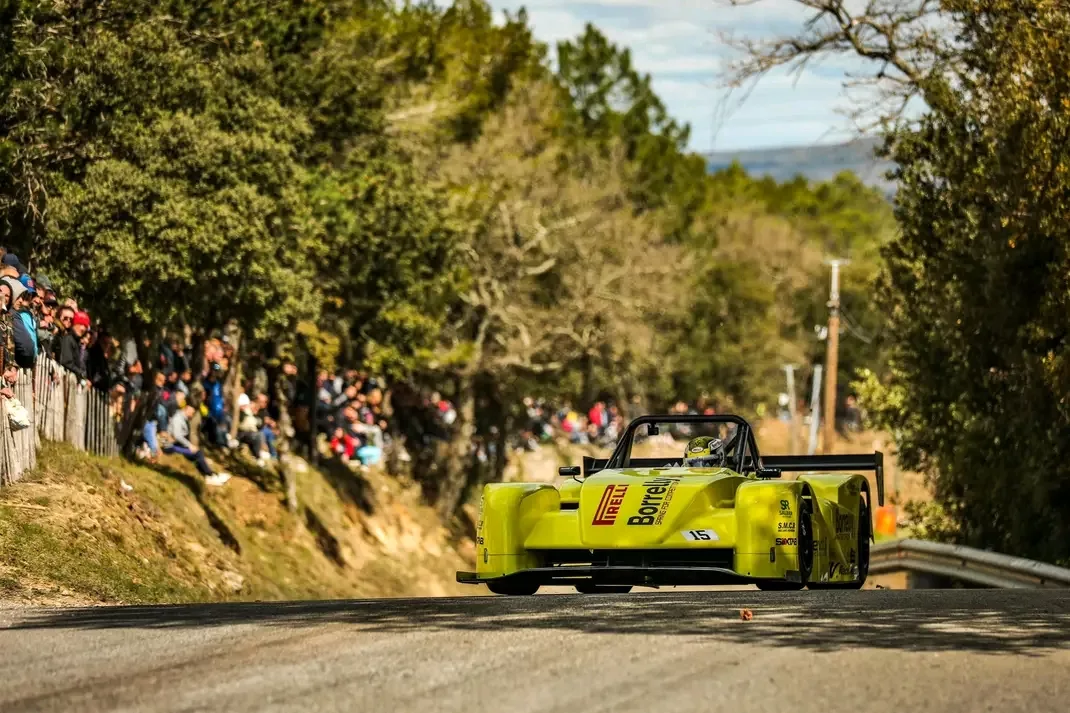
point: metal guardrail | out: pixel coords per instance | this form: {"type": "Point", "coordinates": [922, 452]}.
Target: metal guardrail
{"type": "Point", "coordinates": [980, 567]}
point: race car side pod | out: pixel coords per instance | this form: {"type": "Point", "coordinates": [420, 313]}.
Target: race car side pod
{"type": "Point", "coordinates": [854, 461]}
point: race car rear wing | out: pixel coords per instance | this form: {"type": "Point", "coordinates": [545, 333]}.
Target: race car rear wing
{"type": "Point", "coordinates": [793, 464]}
{"type": "Point", "coordinates": [832, 463]}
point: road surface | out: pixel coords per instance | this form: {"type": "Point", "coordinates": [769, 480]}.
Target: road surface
{"type": "Point", "coordinates": [881, 650]}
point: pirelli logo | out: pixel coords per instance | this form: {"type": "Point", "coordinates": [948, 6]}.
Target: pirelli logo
{"type": "Point", "coordinates": [609, 505]}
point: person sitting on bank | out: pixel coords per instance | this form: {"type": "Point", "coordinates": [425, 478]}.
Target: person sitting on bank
{"type": "Point", "coordinates": [178, 428]}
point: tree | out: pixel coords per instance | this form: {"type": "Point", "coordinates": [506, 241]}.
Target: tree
{"type": "Point", "coordinates": [975, 282]}
{"type": "Point", "coordinates": [608, 103]}
{"type": "Point", "coordinates": [561, 274]}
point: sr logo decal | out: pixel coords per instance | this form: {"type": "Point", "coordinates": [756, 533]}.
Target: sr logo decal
{"type": "Point", "coordinates": [609, 505]}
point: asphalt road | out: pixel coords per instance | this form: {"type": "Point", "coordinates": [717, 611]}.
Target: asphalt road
{"type": "Point", "coordinates": [882, 650]}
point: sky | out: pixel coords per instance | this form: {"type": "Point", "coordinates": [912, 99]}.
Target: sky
{"type": "Point", "coordinates": [678, 42]}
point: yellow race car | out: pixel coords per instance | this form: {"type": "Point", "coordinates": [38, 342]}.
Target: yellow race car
{"type": "Point", "coordinates": [717, 512]}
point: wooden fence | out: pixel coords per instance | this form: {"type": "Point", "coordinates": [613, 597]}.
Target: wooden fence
{"type": "Point", "coordinates": [63, 408]}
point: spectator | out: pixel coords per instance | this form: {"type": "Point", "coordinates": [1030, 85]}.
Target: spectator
{"type": "Point", "coordinates": [63, 323]}
{"type": "Point", "coordinates": [70, 353]}
{"type": "Point", "coordinates": [343, 445]}
{"type": "Point", "coordinates": [157, 419]}
{"type": "Point", "coordinates": [46, 328]}
{"type": "Point", "coordinates": [179, 430]}
{"type": "Point", "coordinates": [268, 426]}
{"type": "Point", "coordinates": [97, 359]}
{"type": "Point", "coordinates": [852, 415]}
{"type": "Point", "coordinates": [216, 425]}
{"type": "Point", "coordinates": [8, 367]}
{"type": "Point", "coordinates": [24, 327]}
{"type": "Point", "coordinates": [12, 266]}
{"type": "Point", "coordinates": [249, 430]}
{"type": "Point", "coordinates": [183, 381]}
{"type": "Point", "coordinates": [597, 417]}
{"type": "Point", "coordinates": [44, 288]}
{"type": "Point", "coordinates": [165, 361]}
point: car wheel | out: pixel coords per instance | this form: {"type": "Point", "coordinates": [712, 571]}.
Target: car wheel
{"type": "Point", "coordinates": [865, 523]}
{"type": "Point", "coordinates": [591, 588]}
{"type": "Point", "coordinates": [513, 588]}
{"type": "Point", "coordinates": [806, 556]}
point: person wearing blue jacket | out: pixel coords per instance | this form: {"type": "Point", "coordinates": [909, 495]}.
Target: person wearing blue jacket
{"type": "Point", "coordinates": [217, 424]}
{"type": "Point", "coordinates": [24, 324]}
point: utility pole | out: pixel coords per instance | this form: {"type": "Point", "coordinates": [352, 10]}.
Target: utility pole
{"type": "Point", "coordinates": [815, 410]}
{"type": "Point", "coordinates": [793, 432]}
{"type": "Point", "coordinates": [832, 356]}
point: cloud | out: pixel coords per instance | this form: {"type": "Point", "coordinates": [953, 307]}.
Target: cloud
{"type": "Point", "coordinates": [680, 44]}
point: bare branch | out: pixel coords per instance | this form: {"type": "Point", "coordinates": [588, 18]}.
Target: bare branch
{"type": "Point", "coordinates": [909, 45]}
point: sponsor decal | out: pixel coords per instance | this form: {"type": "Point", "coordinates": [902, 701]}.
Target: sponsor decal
{"type": "Point", "coordinates": [700, 535]}
{"type": "Point", "coordinates": [785, 508]}
{"type": "Point", "coordinates": [479, 525]}
{"type": "Point", "coordinates": [657, 494]}
{"type": "Point", "coordinates": [787, 542]}
{"type": "Point", "coordinates": [844, 526]}
{"type": "Point", "coordinates": [785, 527]}
{"type": "Point", "coordinates": [609, 506]}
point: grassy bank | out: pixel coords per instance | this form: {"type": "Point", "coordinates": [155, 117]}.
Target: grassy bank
{"type": "Point", "coordinates": [83, 529]}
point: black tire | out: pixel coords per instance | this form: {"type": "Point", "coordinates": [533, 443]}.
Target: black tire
{"type": "Point", "coordinates": [806, 556]}
{"type": "Point", "coordinates": [591, 588]}
{"type": "Point", "coordinates": [865, 525]}
{"type": "Point", "coordinates": [515, 588]}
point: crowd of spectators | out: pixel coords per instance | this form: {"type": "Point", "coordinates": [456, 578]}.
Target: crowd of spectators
{"type": "Point", "coordinates": [351, 414]}
{"type": "Point", "coordinates": [33, 321]}
{"type": "Point", "coordinates": [192, 407]}
{"type": "Point", "coordinates": [600, 425]}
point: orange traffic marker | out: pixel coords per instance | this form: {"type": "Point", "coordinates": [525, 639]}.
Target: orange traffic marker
{"type": "Point", "coordinates": [886, 521]}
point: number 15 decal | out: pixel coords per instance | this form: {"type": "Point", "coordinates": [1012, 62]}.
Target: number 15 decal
{"type": "Point", "coordinates": [700, 535]}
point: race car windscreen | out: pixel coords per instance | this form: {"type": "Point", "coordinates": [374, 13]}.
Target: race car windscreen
{"type": "Point", "coordinates": [669, 439]}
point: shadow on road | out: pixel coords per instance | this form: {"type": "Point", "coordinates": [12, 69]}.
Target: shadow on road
{"type": "Point", "coordinates": [1025, 621]}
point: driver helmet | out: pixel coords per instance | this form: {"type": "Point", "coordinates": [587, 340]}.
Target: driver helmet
{"type": "Point", "coordinates": [704, 452]}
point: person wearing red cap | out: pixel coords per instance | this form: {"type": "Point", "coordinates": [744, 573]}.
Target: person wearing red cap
{"type": "Point", "coordinates": [71, 352]}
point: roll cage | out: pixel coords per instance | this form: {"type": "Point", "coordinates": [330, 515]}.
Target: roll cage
{"type": "Point", "coordinates": [745, 458]}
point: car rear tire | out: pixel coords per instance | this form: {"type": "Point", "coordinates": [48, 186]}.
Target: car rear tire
{"type": "Point", "coordinates": [806, 555]}
{"type": "Point", "coordinates": [591, 588]}
{"type": "Point", "coordinates": [513, 588]}
{"type": "Point", "coordinates": [865, 524]}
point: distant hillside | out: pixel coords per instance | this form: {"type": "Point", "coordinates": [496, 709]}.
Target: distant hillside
{"type": "Point", "coordinates": [816, 163]}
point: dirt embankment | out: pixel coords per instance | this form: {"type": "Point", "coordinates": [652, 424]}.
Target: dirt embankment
{"type": "Point", "coordinates": [86, 530]}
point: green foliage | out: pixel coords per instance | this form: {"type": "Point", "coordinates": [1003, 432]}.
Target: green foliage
{"type": "Point", "coordinates": [608, 104]}
{"type": "Point", "coordinates": [976, 284]}
{"type": "Point", "coordinates": [232, 154]}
